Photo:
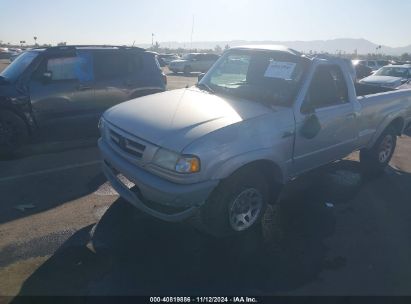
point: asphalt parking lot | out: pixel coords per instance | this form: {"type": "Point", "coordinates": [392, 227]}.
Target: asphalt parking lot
{"type": "Point", "coordinates": [64, 231]}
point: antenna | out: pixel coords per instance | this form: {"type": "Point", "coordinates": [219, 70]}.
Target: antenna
{"type": "Point", "coordinates": [192, 31]}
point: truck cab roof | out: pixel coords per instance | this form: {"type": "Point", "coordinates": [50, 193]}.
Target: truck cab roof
{"type": "Point", "coordinates": [268, 47]}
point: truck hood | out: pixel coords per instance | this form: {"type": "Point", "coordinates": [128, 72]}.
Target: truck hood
{"type": "Point", "coordinates": [174, 119]}
{"type": "Point", "coordinates": [381, 80]}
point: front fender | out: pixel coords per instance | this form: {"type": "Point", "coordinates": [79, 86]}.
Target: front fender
{"type": "Point", "coordinates": [21, 106]}
{"type": "Point", "coordinates": [229, 166]}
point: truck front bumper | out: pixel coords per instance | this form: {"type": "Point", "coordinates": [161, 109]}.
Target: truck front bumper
{"type": "Point", "coordinates": [154, 195]}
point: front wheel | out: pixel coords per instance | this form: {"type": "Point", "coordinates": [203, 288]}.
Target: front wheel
{"type": "Point", "coordinates": [237, 205]}
{"type": "Point", "coordinates": [376, 159]}
{"type": "Point", "coordinates": [13, 132]}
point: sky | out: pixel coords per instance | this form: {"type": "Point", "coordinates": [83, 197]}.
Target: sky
{"type": "Point", "coordinates": [125, 21]}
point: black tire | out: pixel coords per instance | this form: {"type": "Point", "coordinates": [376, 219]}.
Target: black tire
{"type": "Point", "coordinates": [375, 160]}
{"type": "Point", "coordinates": [215, 214]}
{"type": "Point", "coordinates": [187, 70]}
{"type": "Point", "coordinates": [13, 132]}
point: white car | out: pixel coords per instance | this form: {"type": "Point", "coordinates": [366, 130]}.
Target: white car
{"type": "Point", "coordinates": [167, 58]}
{"type": "Point", "coordinates": [193, 62]}
{"type": "Point", "coordinates": [391, 76]}
{"type": "Point", "coordinates": [372, 64]}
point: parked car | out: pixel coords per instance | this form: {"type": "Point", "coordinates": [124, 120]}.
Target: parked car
{"type": "Point", "coordinates": [391, 76]}
{"type": "Point", "coordinates": [52, 84]}
{"type": "Point", "coordinates": [372, 64]}
{"type": "Point", "coordinates": [193, 62]}
{"type": "Point", "coordinates": [5, 53]}
{"type": "Point", "coordinates": [14, 55]}
{"type": "Point", "coordinates": [362, 70]}
{"type": "Point", "coordinates": [167, 58]}
{"type": "Point", "coordinates": [219, 153]}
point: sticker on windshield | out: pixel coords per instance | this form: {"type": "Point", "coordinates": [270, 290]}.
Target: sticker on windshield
{"type": "Point", "coordinates": [278, 69]}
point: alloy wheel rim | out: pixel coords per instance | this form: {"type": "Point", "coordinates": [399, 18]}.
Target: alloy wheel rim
{"type": "Point", "coordinates": [386, 148]}
{"type": "Point", "coordinates": [245, 209]}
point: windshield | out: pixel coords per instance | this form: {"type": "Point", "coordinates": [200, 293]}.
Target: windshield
{"type": "Point", "coordinates": [394, 71]}
{"type": "Point", "coordinates": [262, 76]}
{"type": "Point", "coordinates": [15, 69]}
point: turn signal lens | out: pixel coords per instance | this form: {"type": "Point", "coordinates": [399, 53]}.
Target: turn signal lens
{"type": "Point", "coordinates": [188, 165]}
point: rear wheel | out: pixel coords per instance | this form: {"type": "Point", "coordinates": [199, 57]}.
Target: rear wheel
{"type": "Point", "coordinates": [13, 132]}
{"type": "Point", "coordinates": [376, 159]}
{"type": "Point", "coordinates": [237, 205]}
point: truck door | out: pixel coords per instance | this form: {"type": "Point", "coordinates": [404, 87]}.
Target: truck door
{"type": "Point", "coordinates": [62, 86]}
{"type": "Point", "coordinates": [326, 127]}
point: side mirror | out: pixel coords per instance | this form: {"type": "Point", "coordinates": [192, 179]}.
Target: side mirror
{"type": "Point", "coordinates": [47, 76]}
{"type": "Point", "coordinates": [200, 76]}
{"type": "Point", "coordinates": [311, 127]}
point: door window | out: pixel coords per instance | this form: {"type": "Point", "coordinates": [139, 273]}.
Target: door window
{"type": "Point", "coordinates": [328, 88]}
{"type": "Point", "coordinates": [111, 65]}
{"type": "Point", "coordinates": [63, 68]}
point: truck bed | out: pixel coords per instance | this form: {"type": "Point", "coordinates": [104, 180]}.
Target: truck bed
{"type": "Point", "coordinates": [366, 89]}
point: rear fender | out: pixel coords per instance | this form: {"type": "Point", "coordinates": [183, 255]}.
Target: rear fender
{"type": "Point", "coordinates": [389, 119]}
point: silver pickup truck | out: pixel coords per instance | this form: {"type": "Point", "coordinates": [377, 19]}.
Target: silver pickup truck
{"type": "Point", "coordinates": [220, 151]}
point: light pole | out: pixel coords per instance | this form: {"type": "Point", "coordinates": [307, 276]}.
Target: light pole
{"type": "Point", "coordinates": [192, 32]}
{"type": "Point", "coordinates": [35, 40]}
{"type": "Point", "coordinates": [152, 39]}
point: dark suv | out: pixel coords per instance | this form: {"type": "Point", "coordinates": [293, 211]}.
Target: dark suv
{"type": "Point", "coordinates": [56, 83]}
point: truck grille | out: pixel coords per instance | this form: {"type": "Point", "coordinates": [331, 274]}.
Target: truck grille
{"type": "Point", "coordinates": [129, 146]}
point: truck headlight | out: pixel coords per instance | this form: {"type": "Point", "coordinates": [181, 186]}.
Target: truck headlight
{"type": "Point", "coordinates": [188, 164]}
{"type": "Point", "coordinates": [175, 162]}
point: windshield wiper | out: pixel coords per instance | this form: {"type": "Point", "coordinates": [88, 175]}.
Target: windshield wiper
{"type": "Point", "coordinates": [205, 87]}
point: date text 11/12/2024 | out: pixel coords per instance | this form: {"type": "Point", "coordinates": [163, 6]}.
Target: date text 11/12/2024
{"type": "Point", "coordinates": [203, 300]}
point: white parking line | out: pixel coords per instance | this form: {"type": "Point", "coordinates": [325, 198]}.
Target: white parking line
{"type": "Point", "coordinates": [41, 172]}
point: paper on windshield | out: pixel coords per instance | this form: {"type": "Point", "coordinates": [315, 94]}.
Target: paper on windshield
{"type": "Point", "coordinates": [279, 69]}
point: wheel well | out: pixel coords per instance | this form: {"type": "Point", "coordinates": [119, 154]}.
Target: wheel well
{"type": "Point", "coordinates": [17, 113]}
{"type": "Point", "coordinates": [272, 173]}
{"type": "Point", "coordinates": [398, 125]}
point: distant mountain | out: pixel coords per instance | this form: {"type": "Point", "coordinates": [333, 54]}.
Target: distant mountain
{"type": "Point", "coordinates": [362, 46]}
